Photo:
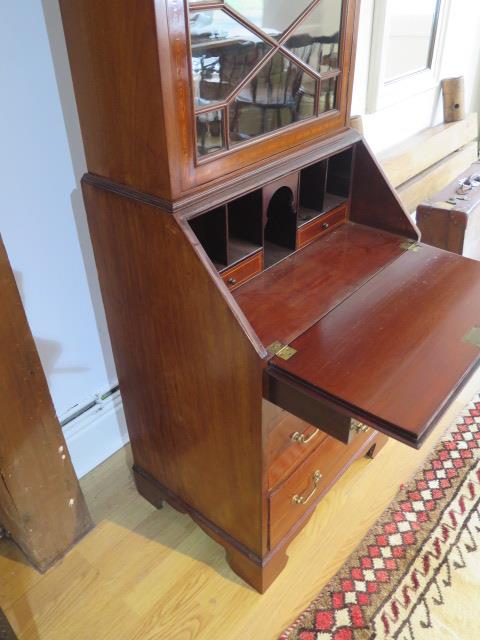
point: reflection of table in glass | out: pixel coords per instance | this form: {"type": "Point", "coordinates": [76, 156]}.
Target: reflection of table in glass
{"type": "Point", "coordinates": [219, 66]}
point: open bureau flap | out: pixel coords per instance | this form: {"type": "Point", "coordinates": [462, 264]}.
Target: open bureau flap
{"type": "Point", "coordinates": [391, 355]}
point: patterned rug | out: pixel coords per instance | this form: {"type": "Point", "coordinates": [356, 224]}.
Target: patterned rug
{"type": "Point", "coordinates": [416, 575]}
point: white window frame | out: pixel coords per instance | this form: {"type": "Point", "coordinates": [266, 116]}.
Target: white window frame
{"type": "Point", "coordinates": [382, 94]}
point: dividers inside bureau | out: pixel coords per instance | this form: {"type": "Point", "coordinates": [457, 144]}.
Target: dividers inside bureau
{"type": "Point", "coordinates": [270, 219]}
{"type": "Point", "coordinates": [324, 186]}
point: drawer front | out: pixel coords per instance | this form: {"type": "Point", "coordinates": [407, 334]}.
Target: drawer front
{"type": "Point", "coordinates": [240, 273]}
{"type": "Point", "coordinates": [303, 489]}
{"type": "Point", "coordinates": [309, 409]}
{"type": "Point", "coordinates": [290, 441]}
{"type": "Point", "coordinates": [314, 229]}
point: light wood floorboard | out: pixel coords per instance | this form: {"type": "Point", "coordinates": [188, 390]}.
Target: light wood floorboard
{"type": "Point", "coordinates": [144, 574]}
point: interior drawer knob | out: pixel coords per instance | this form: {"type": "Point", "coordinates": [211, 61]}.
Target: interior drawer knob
{"type": "Point", "coordinates": [301, 439]}
{"type": "Point", "coordinates": [231, 281]}
{"type": "Point", "coordinates": [358, 427]}
{"type": "Point", "coordinates": [317, 476]}
{"type": "Point", "coordinates": [325, 225]}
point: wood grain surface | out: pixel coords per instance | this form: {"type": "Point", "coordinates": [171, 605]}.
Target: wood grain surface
{"type": "Point", "coordinates": [394, 352]}
{"type": "Point", "coordinates": [453, 227]}
{"type": "Point", "coordinates": [182, 358]}
{"type": "Point", "coordinates": [285, 300]}
{"type": "Point", "coordinates": [41, 503]}
{"type": "Point", "coordinates": [143, 573]}
{"type": "Point", "coordinates": [132, 80]}
{"type": "Point", "coordinates": [374, 201]}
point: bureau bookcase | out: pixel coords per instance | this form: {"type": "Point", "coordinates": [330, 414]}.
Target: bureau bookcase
{"type": "Point", "coordinates": [273, 314]}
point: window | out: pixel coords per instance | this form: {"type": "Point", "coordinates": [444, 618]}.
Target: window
{"type": "Point", "coordinates": [406, 41]}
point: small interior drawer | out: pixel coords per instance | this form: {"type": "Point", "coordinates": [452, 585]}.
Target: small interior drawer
{"type": "Point", "coordinates": [303, 489]}
{"type": "Point", "coordinates": [310, 231]}
{"type": "Point", "coordinates": [290, 441]}
{"type": "Point", "coordinates": [243, 271]}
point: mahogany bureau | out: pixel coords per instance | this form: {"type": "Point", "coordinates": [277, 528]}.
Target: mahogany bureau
{"type": "Point", "coordinates": [272, 312]}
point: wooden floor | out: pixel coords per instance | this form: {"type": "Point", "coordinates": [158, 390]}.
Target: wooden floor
{"type": "Point", "coordinates": [143, 574]}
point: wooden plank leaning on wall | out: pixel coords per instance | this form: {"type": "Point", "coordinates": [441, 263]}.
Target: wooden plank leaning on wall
{"type": "Point", "coordinates": [432, 180]}
{"type": "Point", "coordinates": [424, 163]}
{"type": "Point", "coordinates": [41, 504]}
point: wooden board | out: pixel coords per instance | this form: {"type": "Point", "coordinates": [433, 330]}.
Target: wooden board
{"type": "Point", "coordinates": [374, 202]}
{"type": "Point", "coordinates": [413, 156]}
{"type": "Point", "coordinates": [329, 270]}
{"type": "Point", "coordinates": [395, 352]}
{"type": "Point", "coordinates": [453, 227]}
{"type": "Point", "coordinates": [190, 377]}
{"type": "Point", "coordinates": [41, 504]}
{"type": "Point", "coordinates": [425, 185]}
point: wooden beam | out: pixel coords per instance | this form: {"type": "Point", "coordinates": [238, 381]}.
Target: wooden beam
{"type": "Point", "coordinates": [428, 182]}
{"type": "Point", "coordinates": [413, 156]}
{"type": "Point", "coordinates": [41, 503]}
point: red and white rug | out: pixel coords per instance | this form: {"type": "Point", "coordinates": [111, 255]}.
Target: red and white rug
{"type": "Point", "coordinates": [416, 575]}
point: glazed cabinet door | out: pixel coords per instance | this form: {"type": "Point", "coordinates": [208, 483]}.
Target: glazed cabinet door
{"type": "Point", "coordinates": [262, 76]}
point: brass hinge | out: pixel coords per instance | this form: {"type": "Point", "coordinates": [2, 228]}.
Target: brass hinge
{"type": "Point", "coordinates": [410, 245]}
{"type": "Point", "coordinates": [473, 336]}
{"type": "Point", "coordinates": [281, 350]}
{"type": "Point", "coordinates": [358, 427]}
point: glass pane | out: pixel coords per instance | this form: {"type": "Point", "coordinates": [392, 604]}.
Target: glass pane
{"type": "Point", "coordinates": [281, 93]}
{"type": "Point", "coordinates": [328, 95]}
{"type": "Point", "coordinates": [273, 16]}
{"type": "Point", "coordinates": [210, 132]}
{"type": "Point", "coordinates": [316, 40]}
{"type": "Point", "coordinates": [411, 30]}
{"type": "Point", "coordinates": [223, 53]}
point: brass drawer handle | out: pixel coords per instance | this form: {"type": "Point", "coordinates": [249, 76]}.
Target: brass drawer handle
{"type": "Point", "coordinates": [317, 476]}
{"type": "Point", "coordinates": [358, 427]}
{"type": "Point", "coordinates": [231, 281]}
{"type": "Point", "coordinates": [301, 439]}
{"type": "Point", "coordinates": [325, 225]}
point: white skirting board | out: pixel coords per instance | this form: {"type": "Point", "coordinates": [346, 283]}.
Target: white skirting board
{"type": "Point", "coordinates": [96, 434]}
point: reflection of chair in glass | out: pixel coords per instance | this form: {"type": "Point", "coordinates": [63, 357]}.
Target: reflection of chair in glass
{"type": "Point", "coordinates": [319, 52]}
{"type": "Point", "coordinates": [276, 90]}
{"type": "Point", "coordinates": [222, 66]}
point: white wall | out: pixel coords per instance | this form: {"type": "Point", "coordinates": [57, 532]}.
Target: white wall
{"type": "Point", "coordinates": [461, 56]}
{"type": "Point", "coordinates": [42, 219]}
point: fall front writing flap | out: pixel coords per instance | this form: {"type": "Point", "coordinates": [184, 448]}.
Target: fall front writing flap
{"type": "Point", "coordinates": [397, 350]}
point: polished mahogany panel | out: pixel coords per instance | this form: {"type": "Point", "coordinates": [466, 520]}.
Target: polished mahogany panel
{"type": "Point", "coordinates": [396, 351]}
{"type": "Point", "coordinates": [290, 441]}
{"type": "Point", "coordinates": [310, 482]}
{"type": "Point", "coordinates": [287, 299]}
{"type": "Point", "coordinates": [376, 203]}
